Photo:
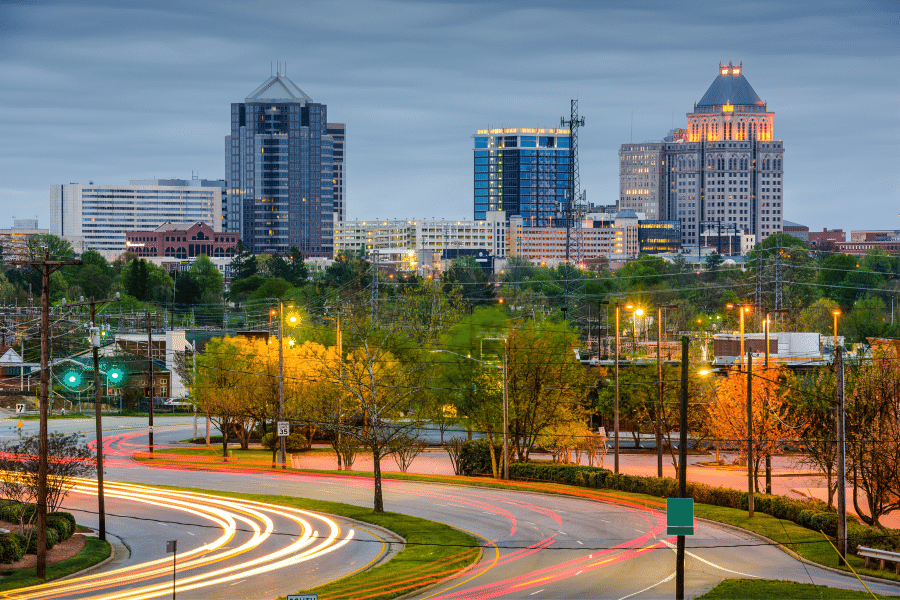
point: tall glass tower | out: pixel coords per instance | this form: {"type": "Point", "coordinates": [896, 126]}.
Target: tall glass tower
{"type": "Point", "coordinates": [524, 172]}
{"type": "Point", "coordinates": [279, 165]}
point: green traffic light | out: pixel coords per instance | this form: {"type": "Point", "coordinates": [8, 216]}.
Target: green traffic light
{"type": "Point", "coordinates": [116, 376]}
{"type": "Point", "coordinates": [72, 379]}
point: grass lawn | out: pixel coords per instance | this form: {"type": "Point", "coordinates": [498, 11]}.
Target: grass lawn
{"type": "Point", "coordinates": [95, 551]}
{"type": "Point", "coordinates": [433, 551]}
{"type": "Point", "coordinates": [734, 589]}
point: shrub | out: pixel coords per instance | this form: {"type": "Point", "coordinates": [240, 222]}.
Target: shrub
{"type": "Point", "coordinates": [64, 529]}
{"type": "Point", "coordinates": [52, 539]}
{"type": "Point", "coordinates": [68, 517]}
{"type": "Point", "coordinates": [474, 457]}
{"type": "Point", "coordinates": [12, 547]}
{"type": "Point", "coordinates": [294, 443]}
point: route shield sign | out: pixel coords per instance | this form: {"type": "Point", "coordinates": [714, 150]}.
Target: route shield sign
{"type": "Point", "coordinates": [284, 428]}
{"type": "Point", "coordinates": [302, 597]}
{"type": "Point", "coordinates": [679, 516]}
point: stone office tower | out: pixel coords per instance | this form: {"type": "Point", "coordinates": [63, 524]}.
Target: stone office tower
{"type": "Point", "coordinates": [279, 165]}
{"type": "Point", "coordinates": [726, 165]}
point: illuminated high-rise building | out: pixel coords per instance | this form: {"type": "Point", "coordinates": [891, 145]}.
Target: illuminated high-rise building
{"type": "Point", "coordinates": [279, 165]}
{"type": "Point", "coordinates": [524, 172]}
{"type": "Point", "coordinates": [726, 166]}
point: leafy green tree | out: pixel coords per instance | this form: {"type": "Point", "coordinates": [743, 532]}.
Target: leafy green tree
{"type": "Point", "coordinates": [868, 318]}
{"type": "Point", "coordinates": [272, 288]}
{"type": "Point", "coordinates": [137, 282]}
{"type": "Point", "coordinates": [831, 278]}
{"type": "Point", "coordinates": [291, 268]}
{"type": "Point", "coordinates": [209, 279]}
{"type": "Point", "coordinates": [243, 263]}
{"type": "Point", "coordinates": [798, 269]}
{"type": "Point", "coordinates": [95, 276]}
{"type": "Point", "coordinates": [241, 289]}
{"type": "Point", "coordinates": [467, 276]}
{"type": "Point", "coordinates": [187, 289]}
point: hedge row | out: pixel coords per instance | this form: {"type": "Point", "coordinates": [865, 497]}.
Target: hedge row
{"type": "Point", "coordinates": [811, 514]}
{"type": "Point", "coordinates": [13, 545]}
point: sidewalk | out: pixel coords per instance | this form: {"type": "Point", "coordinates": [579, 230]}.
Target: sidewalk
{"type": "Point", "coordinates": [790, 477]}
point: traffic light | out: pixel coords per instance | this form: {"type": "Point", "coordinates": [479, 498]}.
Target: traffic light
{"type": "Point", "coordinates": [116, 376]}
{"type": "Point", "coordinates": [72, 379]}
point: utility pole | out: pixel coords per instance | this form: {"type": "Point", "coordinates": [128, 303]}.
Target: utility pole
{"type": "Point", "coordinates": [95, 350]}
{"type": "Point", "coordinates": [616, 414]}
{"type": "Point", "coordinates": [282, 450]}
{"type": "Point", "coordinates": [340, 348]}
{"type": "Point", "coordinates": [750, 432]}
{"type": "Point", "coordinates": [842, 460]}
{"type": "Point", "coordinates": [574, 123]}
{"type": "Point", "coordinates": [682, 465]}
{"type": "Point", "coordinates": [505, 414]}
{"type": "Point", "coordinates": [45, 267]}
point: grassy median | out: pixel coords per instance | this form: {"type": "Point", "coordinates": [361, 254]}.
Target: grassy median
{"type": "Point", "coordinates": [745, 589]}
{"type": "Point", "coordinates": [95, 550]}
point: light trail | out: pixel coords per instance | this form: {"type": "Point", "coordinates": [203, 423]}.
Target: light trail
{"type": "Point", "coordinates": [207, 564]}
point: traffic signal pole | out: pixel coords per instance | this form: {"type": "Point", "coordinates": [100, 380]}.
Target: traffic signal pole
{"type": "Point", "coordinates": [95, 350]}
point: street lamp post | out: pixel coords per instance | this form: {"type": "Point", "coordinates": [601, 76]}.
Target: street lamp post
{"type": "Point", "coordinates": [742, 308]}
{"type": "Point", "coordinates": [836, 314]}
{"type": "Point", "coordinates": [505, 402]}
{"type": "Point", "coordinates": [616, 408]}
{"type": "Point", "coordinates": [282, 443]}
{"type": "Point", "coordinates": [782, 311]}
{"type": "Point", "coordinates": [659, 384]}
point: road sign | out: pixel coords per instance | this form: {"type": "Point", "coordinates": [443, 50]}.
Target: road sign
{"type": "Point", "coordinates": [302, 597]}
{"type": "Point", "coordinates": [171, 546]}
{"type": "Point", "coordinates": [601, 431]}
{"type": "Point", "coordinates": [679, 516]}
{"type": "Point", "coordinates": [20, 408]}
{"type": "Point", "coordinates": [284, 428]}
{"type": "Point", "coordinates": [20, 424]}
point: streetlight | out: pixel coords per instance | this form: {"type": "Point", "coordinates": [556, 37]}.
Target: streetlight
{"type": "Point", "coordinates": [743, 308]}
{"type": "Point", "coordinates": [505, 402]}
{"type": "Point", "coordinates": [659, 389]}
{"type": "Point", "coordinates": [282, 450]}
{"type": "Point", "coordinates": [782, 311]}
{"type": "Point", "coordinates": [836, 312]}
{"type": "Point", "coordinates": [616, 406]}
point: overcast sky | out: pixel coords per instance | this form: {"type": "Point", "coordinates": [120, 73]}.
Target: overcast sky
{"type": "Point", "coordinates": [109, 91]}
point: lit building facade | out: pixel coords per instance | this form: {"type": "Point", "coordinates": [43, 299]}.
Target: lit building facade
{"type": "Point", "coordinates": [181, 240]}
{"type": "Point", "coordinates": [642, 177]}
{"type": "Point", "coordinates": [338, 134]}
{"type": "Point", "coordinates": [279, 164]}
{"type": "Point", "coordinates": [98, 217]}
{"type": "Point", "coordinates": [726, 165]}
{"type": "Point", "coordinates": [523, 172]}
{"type": "Point", "coordinates": [14, 241]}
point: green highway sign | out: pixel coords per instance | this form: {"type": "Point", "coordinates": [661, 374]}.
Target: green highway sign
{"type": "Point", "coordinates": [679, 516]}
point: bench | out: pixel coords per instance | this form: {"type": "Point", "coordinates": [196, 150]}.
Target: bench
{"type": "Point", "coordinates": [881, 556]}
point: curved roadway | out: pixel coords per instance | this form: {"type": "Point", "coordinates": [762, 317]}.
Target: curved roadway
{"type": "Point", "coordinates": [536, 545]}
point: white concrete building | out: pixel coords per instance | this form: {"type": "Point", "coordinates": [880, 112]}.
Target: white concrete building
{"type": "Point", "coordinates": [96, 217]}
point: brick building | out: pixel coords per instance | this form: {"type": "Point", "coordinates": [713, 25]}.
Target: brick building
{"type": "Point", "coordinates": [835, 236]}
{"type": "Point", "coordinates": [181, 240]}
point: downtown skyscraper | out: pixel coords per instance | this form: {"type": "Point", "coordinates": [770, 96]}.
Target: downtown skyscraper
{"type": "Point", "coordinates": [524, 172]}
{"type": "Point", "coordinates": [279, 161]}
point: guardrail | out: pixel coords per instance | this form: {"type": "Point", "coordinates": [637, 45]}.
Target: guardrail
{"type": "Point", "coordinates": [881, 556]}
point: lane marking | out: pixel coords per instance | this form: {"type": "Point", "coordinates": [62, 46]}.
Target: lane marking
{"type": "Point", "coordinates": [666, 580]}
{"type": "Point", "coordinates": [703, 560]}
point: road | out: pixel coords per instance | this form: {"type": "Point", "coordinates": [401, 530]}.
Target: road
{"type": "Point", "coordinates": [535, 545]}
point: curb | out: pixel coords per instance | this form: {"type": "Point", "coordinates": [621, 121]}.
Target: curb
{"type": "Point", "coordinates": [112, 557]}
{"type": "Point", "coordinates": [794, 555]}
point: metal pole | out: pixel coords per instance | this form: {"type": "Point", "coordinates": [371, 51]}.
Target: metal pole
{"type": "Point", "coordinates": [174, 562]}
{"type": "Point", "coordinates": [505, 418]}
{"type": "Point", "coordinates": [150, 379]}
{"type": "Point", "coordinates": [101, 509]}
{"type": "Point", "coordinates": [616, 415]}
{"type": "Point", "coordinates": [659, 392]}
{"type": "Point", "coordinates": [741, 311]}
{"type": "Point", "coordinates": [281, 441]}
{"type": "Point", "coordinates": [750, 433]}
{"type": "Point", "coordinates": [841, 466]}
{"type": "Point", "coordinates": [340, 346]}
{"type": "Point", "coordinates": [766, 416]}
{"type": "Point", "coordinates": [682, 466]}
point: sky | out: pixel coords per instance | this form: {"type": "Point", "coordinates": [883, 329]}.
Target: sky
{"type": "Point", "coordinates": [110, 91]}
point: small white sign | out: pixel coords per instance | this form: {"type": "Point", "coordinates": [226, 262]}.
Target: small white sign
{"type": "Point", "coordinates": [601, 431]}
{"type": "Point", "coordinates": [302, 597]}
{"type": "Point", "coordinates": [284, 430]}
{"type": "Point", "coordinates": [20, 408]}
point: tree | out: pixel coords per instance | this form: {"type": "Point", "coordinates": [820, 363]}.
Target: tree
{"type": "Point", "coordinates": [243, 263]}
{"type": "Point", "coordinates": [69, 458]}
{"type": "Point", "coordinates": [727, 414]}
{"type": "Point", "coordinates": [136, 280]}
{"type": "Point", "coordinates": [467, 276]}
{"type": "Point", "coordinates": [546, 384]}
{"type": "Point", "coordinates": [811, 401]}
{"type": "Point", "coordinates": [380, 380]}
{"type": "Point", "coordinates": [291, 268]}
{"type": "Point", "coordinates": [222, 384]}
{"type": "Point", "coordinates": [873, 428]}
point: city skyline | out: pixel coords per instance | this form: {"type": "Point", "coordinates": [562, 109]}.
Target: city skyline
{"type": "Point", "coordinates": [108, 93]}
